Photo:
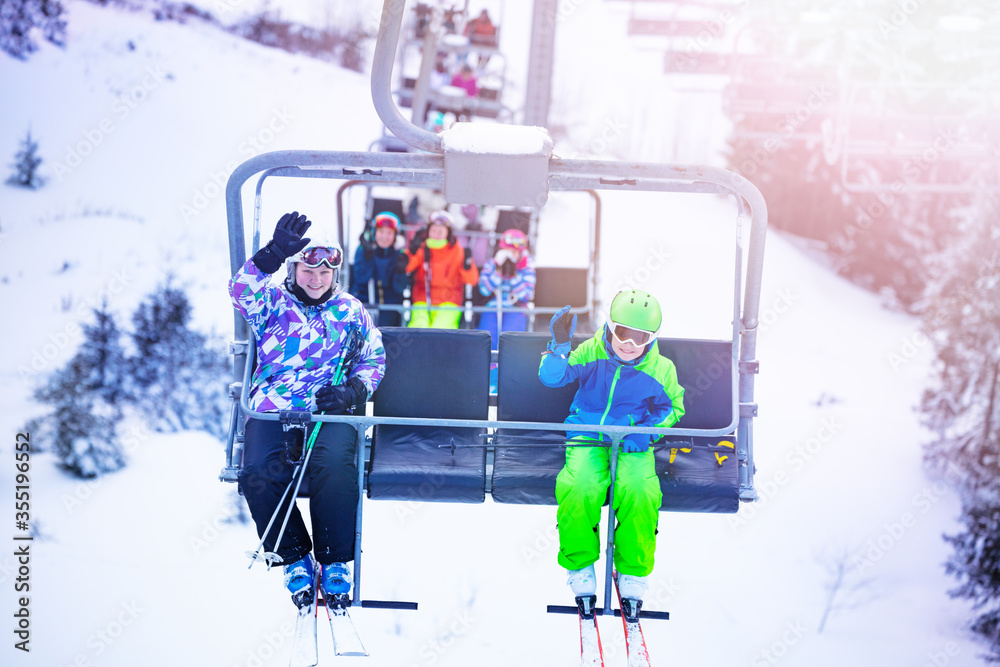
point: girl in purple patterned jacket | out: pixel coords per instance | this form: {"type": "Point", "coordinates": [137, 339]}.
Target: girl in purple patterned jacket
{"type": "Point", "coordinates": [317, 350]}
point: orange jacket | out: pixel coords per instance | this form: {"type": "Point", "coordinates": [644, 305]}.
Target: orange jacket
{"type": "Point", "coordinates": [447, 274]}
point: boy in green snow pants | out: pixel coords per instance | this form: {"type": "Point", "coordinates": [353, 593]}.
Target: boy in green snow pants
{"type": "Point", "coordinates": [623, 381]}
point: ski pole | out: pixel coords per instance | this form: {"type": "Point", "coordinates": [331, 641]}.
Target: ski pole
{"type": "Point", "coordinates": [338, 378]}
{"type": "Point", "coordinates": [427, 281]}
{"type": "Point", "coordinates": [255, 554]}
{"type": "Point", "coordinates": [297, 476]}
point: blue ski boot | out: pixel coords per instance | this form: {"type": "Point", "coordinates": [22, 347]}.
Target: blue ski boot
{"type": "Point", "coordinates": [335, 580]}
{"type": "Point", "coordinates": [299, 578]}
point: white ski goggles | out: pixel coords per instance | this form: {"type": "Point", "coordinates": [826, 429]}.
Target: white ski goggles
{"type": "Point", "coordinates": [626, 334]}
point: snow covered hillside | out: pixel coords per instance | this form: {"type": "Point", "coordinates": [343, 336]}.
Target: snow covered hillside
{"type": "Point", "coordinates": [140, 124]}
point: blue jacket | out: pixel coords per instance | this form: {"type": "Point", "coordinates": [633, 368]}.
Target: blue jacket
{"type": "Point", "coordinates": [643, 392]}
{"type": "Point", "coordinates": [389, 283]}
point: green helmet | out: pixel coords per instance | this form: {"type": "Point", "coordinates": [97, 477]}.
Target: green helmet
{"type": "Point", "coordinates": [637, 309]}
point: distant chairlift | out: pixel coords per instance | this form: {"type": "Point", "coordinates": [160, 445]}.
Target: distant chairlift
{"type": "Point", "coordinates": [438, 444]}
{"type": "Point", "coordinates": [430, 39]}
{"type": "Point", "coordinates": [940, 138]}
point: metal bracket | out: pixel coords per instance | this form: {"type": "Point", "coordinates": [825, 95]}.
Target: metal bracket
{"type": "Point", "coordinates": [748, 409]}
{"type": "Point", "coordinates": [294, 419]}
{"type": "Point", "coordinates": [751, 367]}
{"type": "Point", "coordinates": [235, 389]}
{"type": "Point", "coordinates": [239, 347]}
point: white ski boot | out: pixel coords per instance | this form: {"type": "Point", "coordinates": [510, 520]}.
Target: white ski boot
{"type": "Point", "coordinates": [583, 582]}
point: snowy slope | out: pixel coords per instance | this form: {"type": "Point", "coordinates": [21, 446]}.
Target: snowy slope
{"type": "Point", "coordinates": [141, 567]}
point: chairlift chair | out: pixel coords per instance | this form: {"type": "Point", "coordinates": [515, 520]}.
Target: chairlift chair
{"type": "Point", "coordinates": [721, 415]}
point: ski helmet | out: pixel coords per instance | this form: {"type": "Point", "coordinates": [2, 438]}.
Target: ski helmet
{"type": "Point", "coordinates": [321, 251]}
{"type": "Point", "coordinates": [635, 315]}
{"type": "Point", "coordinates": [513, 238]}
{"type": "Point", "coordinates": [386, 219]}
{"type": "Point", "coordinates": [443, 218]}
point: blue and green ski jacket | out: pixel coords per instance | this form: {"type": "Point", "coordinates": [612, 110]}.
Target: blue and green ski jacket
{"type": "Point", "coordinates": [643, 392]}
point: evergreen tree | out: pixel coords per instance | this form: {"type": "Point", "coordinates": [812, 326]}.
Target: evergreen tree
{"type": "Point", "coordinates": [85, 397]}
{"type": "Point", "coordinates": [178, 378]}
{"type": "Point", "coordinates": [19, 17]}
{"type": "Point", "coordinates": [26, 163]}
{"type": "Point", "coordinates": [963, 410]}
{"type": "Point", "coordinates": [103, 358]}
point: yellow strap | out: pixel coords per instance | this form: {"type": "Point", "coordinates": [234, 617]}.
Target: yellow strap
{"type": "Point", "coordinates": [673, 452]}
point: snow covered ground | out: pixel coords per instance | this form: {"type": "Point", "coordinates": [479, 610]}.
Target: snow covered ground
{"type": "Point", "coordinates": [140, 124]}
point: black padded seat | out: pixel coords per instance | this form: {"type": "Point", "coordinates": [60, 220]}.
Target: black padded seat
{"type": "Point", "coordinates": [526, 474]}
{"type": "Point", "coordinates": [431, 373]}
{"type": "Point", "coordinates": [700, 480]}
{"type": "Point", "coordinates": [694, 481]}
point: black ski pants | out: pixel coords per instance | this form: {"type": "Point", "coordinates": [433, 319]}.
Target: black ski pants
{"type": "Point", "coordinates": [332, 476]}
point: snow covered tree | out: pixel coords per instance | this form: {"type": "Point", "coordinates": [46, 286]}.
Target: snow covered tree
{"type": "Point", "coordinates": [179, 380]}
{"type": "Point", "coordinates": [823, 104]}
{"type": "Point", "coordinates": [86, 401]}
{"type": "Point", "coordinates": [19, 17]}
{"type": "Point", "coordinates": [26, 163]}
{"type": "Point", "coordinates": [962, 409]}
{"type": "Point", "coordinates": [976, 563]}
{"type": "Point", "coordinates": [103, 357]}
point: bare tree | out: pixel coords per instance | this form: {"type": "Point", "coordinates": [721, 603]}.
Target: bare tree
{"type": "Point", "coordinates": [845, 586]}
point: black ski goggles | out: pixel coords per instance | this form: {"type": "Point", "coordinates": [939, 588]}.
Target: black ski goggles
{"type": "Point", "coordinates": [637, 337]}
{"type": "Point", "coordinates": [319, 256]}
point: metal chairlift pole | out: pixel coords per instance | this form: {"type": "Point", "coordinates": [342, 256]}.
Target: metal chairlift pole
{"type": "Point", "coordinates": [427, 63]}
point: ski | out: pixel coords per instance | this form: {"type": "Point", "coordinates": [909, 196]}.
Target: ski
{"type": "Point", "coordinates": [345, 637]}
{"type": "Point", "coordinates": [305, 650]}
{"type": "Point", "coordinates": [635, 642]}
{"type": "Point", "coordinates": [591, 654]}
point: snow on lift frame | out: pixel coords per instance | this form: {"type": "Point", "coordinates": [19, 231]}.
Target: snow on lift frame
{"type": "Point", "coordinates": [431, 167]}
